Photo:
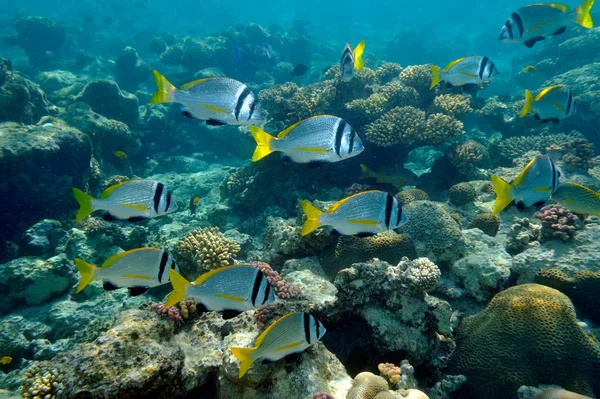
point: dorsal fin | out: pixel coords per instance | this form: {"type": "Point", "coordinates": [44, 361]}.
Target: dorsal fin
{"type": "Point", "coordinates": [262, 336]}
{"type": "Point", "coordinates": [546, 91]}
{"type": "Point", "coordinates": [589, 190]}
{"type": "Point", "coordinates": [208, 275]}
{"type": "Point", "coordinates": [193, 83]}
{"type": "Point", "coordinates": [288, 129]}
{"type": "Point", "coordinates": [519, 178]}
{"type": "Point", "coordinates": [450, 65]}
{"type": "Point", "coordinates": [112, 188]}
{"type": "Point", "coordinates": [336, 206]}
{"type": "Point", "coordinates": [113, 259]}
{"type": "Point", "coordinates": [563, 8]}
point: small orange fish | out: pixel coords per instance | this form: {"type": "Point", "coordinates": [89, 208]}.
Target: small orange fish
{"type": "Point", "coordinates": [529, 69]}
{"type": "Point", "coordinates": [120, 154]}
{"type": "Point", "coordinates": [196, 201]}
{"type": "Point", "coordinates": [6, 360]}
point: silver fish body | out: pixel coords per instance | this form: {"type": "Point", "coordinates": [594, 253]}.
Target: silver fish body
{"type": "Point", "coordinates": [473, 70]}
{"type": "Point", "coordinates": [554, 104]}
{"type": "Point", "coordinates": [347, 63]}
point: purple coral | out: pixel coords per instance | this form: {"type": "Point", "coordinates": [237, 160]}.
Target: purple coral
{"type": "Point", "coordinates": [282, 288]}
{"type": "Point", "coordinates": [322, 395]}
{"type": "Point", "coordinates": [264, 315]}
{"type": "Point", "coordinates": [557, 222]}
{"type": "Point", "coordinates": [171, 313]}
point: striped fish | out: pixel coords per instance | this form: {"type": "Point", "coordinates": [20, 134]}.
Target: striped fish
{"type": "Point", "coordinates": [319, 139]}
{"type": "Point", "coordinates": [138, 270]}
{"type": "Point", "coordinates": [218, 101]}
{"type": "Point", "coordinates": [133, 200]}
{"type": "Point", "coordinates": [554, 104]}
{"type": "Point", "coordinates": [238, 287]}
{"type": "Point", "coordinates": [351, 61]}
{"type": "Point", "coordinates": [473, 70]}
{"type": "Point", "coordinates": [533, 23]}
{"type": "Point", "coordinates": [362, 214]}
{"type": "Point", "coordinates": [292, 333]}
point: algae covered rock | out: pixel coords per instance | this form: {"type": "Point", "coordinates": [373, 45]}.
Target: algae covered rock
{"type": "Point", "coordinates": [106, 98]}
{"type": "Point", "coordinates": [20, 99]}
{"type": "Point", "coordinates": [130, 70]}
{"type": "Point", "coordinates": [38, 37]}
{"type": "Point", "coordinates": [31, 281]}
{"type": "Point", "coordinates": [527, 330]}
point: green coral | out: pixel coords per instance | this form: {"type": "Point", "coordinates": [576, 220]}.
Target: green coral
{"type": "Point", "coordinates": [488, 223]}
{"type": "Point", "coordinates": [400, 125]}
{"type": "Point", "coordinates": [527, 335]}
{"type": "Point", "coordinates": [462, 193]}
{"type": "Point", "coordinates": [202, 250]}
{"type": "Point", "coordinates": [441, 128]}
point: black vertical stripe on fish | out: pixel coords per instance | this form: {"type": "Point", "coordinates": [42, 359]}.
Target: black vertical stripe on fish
{"type": "Point", "coordinates": [399, 215]}
{"type": "Point", "coordinates": [157, 194]}
{"type": "Point", "coordinates": [256, 287]}
{"type": "Point", "coordinates": [553, 177]}
{"type": "Point", "coordinates": [509, 28]}
{"type": "Point", "coordinates": [317, 326]}
{"type": "Point", "coordinates": [351, 145]}
{"type": "Point", "coordinates": [484, 62]}
{"type": "Point", "coordinates": [569, 103]}
{"type": "Point", "coordinates": [267, 292]}
{"type": "Point", "coordinates": [338, 136]}
{"type": "Point", "coordinates": [168, 203]}
{"type": "Point", "coordinates": [240, 102]}
{"type": "Point", "coordinates": [307, 327]}
{"type": "Point", "coordinates": [517, 18]}
{"type": "Point", "coordinates": [163, 263]}
{"type": "Point", "coordinates": [252, 107]}
{"type": "Point", "coordinates": [388, 209]}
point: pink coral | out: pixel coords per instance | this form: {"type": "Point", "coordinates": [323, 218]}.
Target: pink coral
{"type": "Point", "coordinates": [322, 395]}
{"type": "Point", "coordinates": [172, 312]}
{"type": "Point", "coordinates": [282, 288]}
{"type": "Point", "coordinates": [557, 222]}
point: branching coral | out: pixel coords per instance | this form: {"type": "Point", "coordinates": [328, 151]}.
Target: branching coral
{"type": "Point", "coordinates": [577, 153]}
{"type": "Point", "coordinates": [455, 105]}
{"type": "Point", "coordinates": [488, 223]}
{"type": "Point", "coordinates": [505, 151]}
{"type": "Point", "coordinates": [391, 372]}
{"type": "Point", "coordinates": [400, 125]}
{"type": "Point", "coordinates": [42, 381]}
{"type": "Point", "coordinates": [531, 328]}
{"type": "Point", "coordinates": [441, 128]}
{"type": "Point", "coordinates": [385, 98]}
{"type": "Point", "coordinates": [558, 223]}
{"type": "Point", "coordinates": [387, 72]}
{"type": "Point", "coordinates": [170, 313]}
{"type": "Point", "coordinates": [412, 194]}
{"type": "Point", "coordinates": [467, 155]}
{"type": "Point", "coordinates": [462, 194]}
{"type": "Point", "coordinates": [420, 275]}
{"type": "Point", "coordinates": [417, 76]}
{"type": "Point", "coordinates": [205, 249]}
{"type": "Point", "coordinates": [282, 288]}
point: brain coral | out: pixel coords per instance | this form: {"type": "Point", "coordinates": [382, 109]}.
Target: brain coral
{"type": "Point", "coordinates": [400, 125]}
{"type": "Point", "coordinates": [462, 194]}
{"type": "Point", "coordinates": [366, 385]}
{"type": "Point", "coordinates": [202, 250]}
{"type": "Point", "coordinates": [527, 335]}
{"type": "Point", "coordinates": [347, 250]}
{"type": "Point", "coordinates": [487, 223]}
{"type": "Point", "coordinates": [412, 194]}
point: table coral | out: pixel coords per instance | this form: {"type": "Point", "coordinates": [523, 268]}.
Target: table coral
{"type": "Point", "coordinates": [202, 250]}
{"type": "Point", "coordinates": [528, 330]}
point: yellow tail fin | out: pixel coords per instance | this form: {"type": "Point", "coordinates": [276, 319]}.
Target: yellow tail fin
{"type": "Point", "coordinates": [244, 355]}
{"type": "Point", "coordinates": [179, 287]}
{"type": "Point", "coordinates": [165, 91]}
{"type": "Point", "coordinates": [358, 53]}
{"type": "Point", "coordinates": [582, 14]}
{"type": "Point", "coordinates": [263, 143]}
{"type": "Point", "coordinates": [365, 172]}
{"type": "Point", "coordinates": [87, 274]}
{"type": "Point", "coordinates": [503, 194]}
{"type": "Point", "coordinates": [312, 214]}
{"type": "Point", "coordinates": [528, 104]}
{"type": "Point", "coordinates": [437, 76]}
{"type": "Point", "coordinates": [85, 204]}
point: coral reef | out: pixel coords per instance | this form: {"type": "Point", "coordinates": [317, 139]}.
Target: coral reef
{"type": "Point", "coordinates": [412, 194]}
{"type": "Point", "coordinates": [462, 194]}
{"type": "Point", "coordinates": [366, 386]}
{"type": "Point", "coordinates": [130, 70]}
{"type": "Point", "coordinates": [391, 372]}
{"type": "Point", "coordinates": [172, 313]}
{"type": "Point", "coordinates": [420, 275]}
{"type": "Point", "coordinates": [401, 125]}
{"type": "Point", "coordinates": [388, 72]}
{"type": "Point", "coordinates": [520, 234]}
{"type": "Point", "coordinates": [38, 36]}
{"type": "Point", "coordinates": [106, 98]}
{"type": "Point", "coordinates": [20, 99]}
{"type": "Point", "coordinates": [441, 128]}
{"type": "Point", "coordinates": [42, 381]}
{"type": "Point", "coordinates": [452, 104]}
{"type": "Point", "coordinates": [488, 223]}
{"type": "Point", "coordinates": [467, 155]}
{"type": "Point", "coordinates": [557, 223]}
{"type": "Point", "coordinates": [202, 250]}
{"type": "Point", "coordinates": [519, 328]}
{"type": "Point", "coordinates": [282, 288]}
{"type": "Point", "coordinates": [347, 250]}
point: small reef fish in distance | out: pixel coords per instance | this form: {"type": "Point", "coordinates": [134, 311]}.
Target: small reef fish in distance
{"type": "Point", "coordinates": [529, 69]}
{"type": "Point", "coordinates": [363, 214]}
{"type": "Point", "coordinates": [120, 154]}
{"type": "Point", "coordinates": [194, 201]}
{"type": "Point", "coordinates": [292, 333]}
{"type": "Point", "coordinates": [466, 72]}
{"type": "Point", "coordinates": [351, 61]}
{"type": "Point", "coordinates": [534, 185]}
{"type": "Point", "coordinates": [139, 270]}
{"type": "Point", "coordinates": [533, 23]}
{"type": "Point", "coordinates": [319, 139]}
{"type": "Point", "coordinates": [236, 288]}
{"type": "Point", "coordinates": [384, 175]}
{"type": "Point", "coordinates": [554, 103]}
{"type": "Point", "coordinates": [578, 198]}
{"type": "Point", "coordinates": [218, 101]}
{"type": "Point", "coordinates": [133, 200]}
{"type": "Point", "coordinates": [5, 360]}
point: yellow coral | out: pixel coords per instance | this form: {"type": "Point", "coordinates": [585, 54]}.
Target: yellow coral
{"type": "Point", "coordinates": [366, 386]}
{"type": "Point", "coordinates": [391, 372]}
{"type": "Point", "coordinates": [388, 71]}
{"type": "Point", "coordinates": [417, 76]}
{"type": "Point", "coordinates": [42, 381]}
{"type": "Point", "coordinates": [455, 105]}
{"type": "Point", "coordinates": [532, 334]}
{"type": "Point", "coordinates": [462, 193]}
{"type": "Point", "coordinates": [441, 128]}
{"type": "Point", "coordinates": [205, 249]}
{"type": "Point", "coordinates": [400, 125]}
{"type": "Point", "coordinates": [412, 194]}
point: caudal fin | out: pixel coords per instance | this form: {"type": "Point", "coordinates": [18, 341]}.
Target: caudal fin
{"type": "Point", "coordinates": [87, 274]}
{"type": "Point", "coordinates": [528, 104]}
{"type": "Point", "coordinates": [358, 53]}
{"type": "Point", "coordinates": [179, 287]}
{"type": "Point", "coordinates": [365, 173]}
{"type": "Point", "coordinates": [85, 204]}
{"type": "Point", "coordinates": [503, 194]}
{"type": "Point", "coordinates": [263, 143]}
{"type": "Point", "coordinates": [437, 76]}
{"type": "Point", "coordinates": [582, 14]}
{"type": "Point", "coordinates": [313, 215]}
{"type": "Point", "coordinates": [244, 355]}
{"type": "Point", "coordinates": [165, 91]}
